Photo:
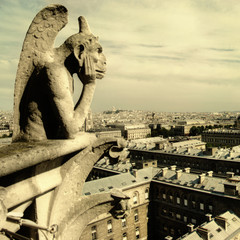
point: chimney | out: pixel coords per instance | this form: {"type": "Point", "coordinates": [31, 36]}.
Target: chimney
{"type": "Point", "coordinates": [187, 170]}
{"type": "Point", "coordinates": [204, 233]}
{"type": "Point", "coordinates": [134, 172]}
{"type": "Point", "coordinates": [202, 178]}
{"type": "Point", "coordinates": [230, 174]}
{"type": "Point", "coordinates": [222, 222]}
{"type": "Point", "coordinates": [210, 173]}
{"type": "Point", "coordinates": [164, 171]}
{"type": "Point", "coordinates": [209, 217]}
{"type": "Point", "coordinates": [178, 174]}
{"type": "Point", "coordinates": [173, 167]}
{"type": "Point", "coordinates": [168, 238]}
{"type": "Point", "coordinates": [107, 161]}
{"type": "Point", "coordinates": [190, 227]}
{"type": "Point", "coordinates": [230, 189]}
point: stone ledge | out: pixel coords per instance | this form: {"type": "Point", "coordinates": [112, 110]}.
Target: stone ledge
{"type": "Point", "coordinates": [20, 155]}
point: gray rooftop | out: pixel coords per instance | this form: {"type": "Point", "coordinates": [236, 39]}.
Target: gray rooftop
{"type": "Point", "coordinates": [119, 181]}
{"type": "Point", "coordinates": [208, 183]}
{"type": "Point", "coordinates": [215, 230]}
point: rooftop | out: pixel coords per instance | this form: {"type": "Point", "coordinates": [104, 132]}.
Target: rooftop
{"type": "Point", "coordinates": [216, 228]}
{"type": "Point", "coordinates": [119, 181]}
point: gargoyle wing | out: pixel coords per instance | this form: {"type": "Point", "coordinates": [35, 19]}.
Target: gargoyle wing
{"type": "Point", "coordinates": [37, 47]}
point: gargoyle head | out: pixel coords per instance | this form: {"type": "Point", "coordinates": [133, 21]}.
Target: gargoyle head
{"type": "Point", "coordinates": [121, 207]}
{"type": "Point", "coordinates": [87, 51]}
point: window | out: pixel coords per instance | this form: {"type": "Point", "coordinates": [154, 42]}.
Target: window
{"type": "Point", "coordinates": [125, 236]}
{"type": "Point", "coordinates": [210, 207]}
{"type": "Point", "coordinates": [137, 233]}
{"type": "Point", "coordinates": [185, 219]}
{"type": "Point", "coordinates": [185, 202]}
{"type": "Point", "coordinates": [164, 211]}
{"type": "Point", "coordinates": [136, 215]}
{"type": "Point", "coordinates": [165, 229]}
{"type": "Point", "coordinates": [109, 226]}
{"type": "Point", "coordinates": [135, 198]}
{"type": "Point", "coordinates": [194, 221]}
{"type": "Point", "coordinates": [201, 206]}
{"type": "Point", "coordinates": [178, 200]}
{"type": "Point", "coordinates": [178, 216]}
{"type": "Point", "coordinates": [164, 196]}
{"type": "Point", "coordinates": [171, 214]}
{"type": "Point", "coordinates": [124, 223]}
{"type": "Point", "coordinates": [193, 204]}
{"type": "Point", "coordinates": [94, 232]}
{"type": "Point", "coordinates": [147, 193]}
{"type": "Point", "coordinates": [171, 198]}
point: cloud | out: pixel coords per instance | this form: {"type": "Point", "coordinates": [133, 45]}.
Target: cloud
{"type": "Point", "coordinates": [160, 54]}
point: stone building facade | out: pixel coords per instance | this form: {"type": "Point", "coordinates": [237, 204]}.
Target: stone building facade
{"type": "Point", "coordinates": [221, 137]}
{"type": "Point", "coordinates": [133, 226]}
{"type": "Point", "coordinates": [224, 226]}
{"type": "Point", "coordinates": [220, 167]}
{"type": "Point", "coordinates": [131, 134]}
{"type": "Point", "coordinates": [109, 133]}
{"type": "Point", "coordinates": [178, 199]}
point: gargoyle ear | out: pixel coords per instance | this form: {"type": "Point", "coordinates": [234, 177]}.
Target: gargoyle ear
{"type": "Point", "coordinates": [83, 26]}
{"type": "Point", "coordinates": [79, 54]}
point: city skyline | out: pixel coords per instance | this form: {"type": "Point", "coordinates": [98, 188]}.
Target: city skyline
{"type": "Point", "coordinates": [170, 56]}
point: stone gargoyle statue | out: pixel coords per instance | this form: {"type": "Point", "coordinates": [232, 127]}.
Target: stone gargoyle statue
{"type": "Point", "coordinates": [43, 98]}
{"type": "Point", "coordinates": [43, 171]}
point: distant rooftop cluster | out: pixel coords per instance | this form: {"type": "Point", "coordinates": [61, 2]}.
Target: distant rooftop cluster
{"type": "Point", "coordinates": [226, 131]}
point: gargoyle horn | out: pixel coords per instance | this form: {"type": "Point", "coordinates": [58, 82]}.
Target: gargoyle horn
{"type": "Point", "coordinates": [83, 26]}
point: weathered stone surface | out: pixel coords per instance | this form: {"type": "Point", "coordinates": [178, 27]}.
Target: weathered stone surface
{"type": "Point", "coordinates": [43, 102]}
{"type": "Point", "coordinates": [74, 173]}
{"type": "Point", "coordinates": [21, 155]}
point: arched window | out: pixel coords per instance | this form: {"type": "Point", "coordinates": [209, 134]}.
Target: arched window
{"type": "Point", "coordinates": [135, 198]}
{"type": "Point", "coordinates": [185, 201]}
{"type": "Point", "coordinates": [147, 193]}
{"type": "Point", "coordinates": [136, 215]}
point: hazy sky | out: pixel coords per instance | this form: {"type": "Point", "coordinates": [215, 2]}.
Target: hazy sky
{"type": "Point", "coordinates": [162, 55]}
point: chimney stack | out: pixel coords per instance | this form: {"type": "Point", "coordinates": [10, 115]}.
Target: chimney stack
{"type": "Point", "coordinates": [230, 189]}
{"type": "Point", "coordinates": [202, 178]}
{"type": "Point", "coordinates": [178, 174]}
{"type": "Point", "coordinates": [204, 233]}
{"type": "Point", "coordinates": [230, 174]}
{"type": "Point", "coordinates": [168, 238]}
{"type": "Point", "coordinates": [209, 217]}
{"type": "Point", "coordinates": [164, 171]}
{"type": "Point", "coordinates": [190, 227]}
{"type": "Point", "coordinates": [210, 173]}
{"type": "Point", "coordinates": [222, 222]}
{"type": "Point", "coordinates": [134, 171]}
{"type": "Point", "coordinates": [187, 170]}
{"type": "Point", "coordinates": [173, 167]}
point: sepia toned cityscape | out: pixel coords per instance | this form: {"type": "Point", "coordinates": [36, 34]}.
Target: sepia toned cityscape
{"type": "Point", "coordinates": [119, 120]}
{"type": "Point", "coordinates": [181, 171]}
